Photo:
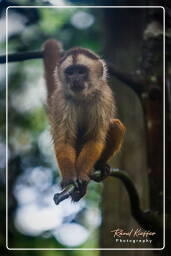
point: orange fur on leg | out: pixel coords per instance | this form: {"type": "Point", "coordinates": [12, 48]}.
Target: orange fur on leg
{"type": "Point", "coordinates": [66, 156]}
{"type": "Point", "coordinates": [113, 141]}
{"type": "Point", "coordinates": [87, 158]}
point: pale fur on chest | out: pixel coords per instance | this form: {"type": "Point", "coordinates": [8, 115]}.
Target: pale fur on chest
{"type": "Point", "coordinates": [90, 117]}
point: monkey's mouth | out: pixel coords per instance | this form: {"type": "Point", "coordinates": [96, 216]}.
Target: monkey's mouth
{"type": "Point", "coordinates": [77, 87]}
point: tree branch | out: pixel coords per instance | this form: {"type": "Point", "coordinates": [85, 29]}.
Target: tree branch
{"type": "Point", "coordinates": [21, 56]}
{"type": "Point", "coordinates": [134, 81]}
{"type": "Point", "coordinates": [122, 175]}
{"type": "Point", "coordinates": [146, 219]}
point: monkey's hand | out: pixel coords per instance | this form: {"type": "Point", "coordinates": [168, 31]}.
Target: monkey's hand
{"type": "Point", "coordinates": [104, 172]}
{"type": "Point", "coordinates": [79, 191]}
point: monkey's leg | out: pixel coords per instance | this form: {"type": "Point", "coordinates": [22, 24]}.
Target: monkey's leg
{"type": "Point", "coordinates": [113, 141]}
{"type": "Point", "coordinates": [89, 154]}
{"type": "Point", "coordinates": [66, 157]}
{"type": "Point", "coordinates": [113, 144]}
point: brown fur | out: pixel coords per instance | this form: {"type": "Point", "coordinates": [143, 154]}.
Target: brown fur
{"type": "Point", "coordinates": [66, 156]}
{"type": "Point", "coordinates": [114, 141]}
{"type": "Point", "coordinates": [52, 50]}
{"type": "Point", "coordinates": [84, 131]}
{"type": "Point", "coordinates": [77, 50]}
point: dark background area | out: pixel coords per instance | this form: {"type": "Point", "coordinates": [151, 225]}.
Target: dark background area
{"type": "Point", "coordinates": [131, 41]}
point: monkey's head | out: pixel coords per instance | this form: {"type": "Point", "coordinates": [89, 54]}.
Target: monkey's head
{"type": "Point", "coordinates": [81, 72]}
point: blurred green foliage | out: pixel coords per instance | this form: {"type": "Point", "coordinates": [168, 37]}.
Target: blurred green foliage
{"type": "Point", "coordinates": [27, 117]}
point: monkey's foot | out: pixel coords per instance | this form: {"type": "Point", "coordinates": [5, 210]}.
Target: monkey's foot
{"type": "Point", "coordinates": [80, 185]}
{"type": "Point", "coordinates": [104, 172]}
{"type": "Point", "coordinates": [79, 192]}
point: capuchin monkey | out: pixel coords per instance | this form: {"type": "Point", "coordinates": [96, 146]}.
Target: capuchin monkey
{"type": "Point", "coordinates": [81, 110]}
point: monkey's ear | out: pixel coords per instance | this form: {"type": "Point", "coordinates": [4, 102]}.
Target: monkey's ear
{"type": "Point", "coordinates": [104, 72]}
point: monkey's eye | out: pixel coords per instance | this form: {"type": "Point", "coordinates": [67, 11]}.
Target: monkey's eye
{"type": "Point", "coordinates": [81, 70]}
{"type": "Point", "coordinates": [76, 70]}
{"type": "Point", "coordinates": [69, 71]}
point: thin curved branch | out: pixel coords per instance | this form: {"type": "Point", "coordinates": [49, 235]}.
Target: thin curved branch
{"type": "Point", "coordinates": [122, 175]}
{"type": "Point", "coordinates": [132, 192]}
{"type": "Point", "coordinates": [146, 219]}
{"type": "Point", "coordinates": [134, 81]}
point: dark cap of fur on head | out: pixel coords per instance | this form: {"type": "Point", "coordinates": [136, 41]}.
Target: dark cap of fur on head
{"type": "Point", "coordinates": [77, 51]}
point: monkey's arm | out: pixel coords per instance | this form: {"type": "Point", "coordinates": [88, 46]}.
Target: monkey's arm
{"type": "Point", "coordinates": [88, 156]}
{"type": "Point", "coordinates": [52, 50]}
{"type": "Point", "coordinates": [113, 144]}
{"type": "Point", "coordinates": [66, 156]}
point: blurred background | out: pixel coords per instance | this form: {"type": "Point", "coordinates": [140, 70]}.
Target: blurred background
{"type": "Point", "coordinates": [131, 41]}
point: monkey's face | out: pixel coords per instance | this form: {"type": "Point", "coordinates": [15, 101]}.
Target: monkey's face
{"type": "Point", "coordinates": [76, 76]}
{"type": "Point", "coordinates": [81, 72]}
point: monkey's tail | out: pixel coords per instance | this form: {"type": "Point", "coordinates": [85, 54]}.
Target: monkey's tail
{"type": "Point", "coordinates": [52, 52]}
